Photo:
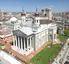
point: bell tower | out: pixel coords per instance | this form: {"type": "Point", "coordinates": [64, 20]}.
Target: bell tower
{"type": "Point", "coordinates": [37, 20]}
{"type": "Point", "coordinates": [48, 13]}
{"type": "Point", "coordinates": [23, 17]}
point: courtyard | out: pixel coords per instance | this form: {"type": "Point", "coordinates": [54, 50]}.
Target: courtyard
{"type": "Point", "coordinates": [46, 55]}
{"type": "Point", "coordinates": [64, 37]}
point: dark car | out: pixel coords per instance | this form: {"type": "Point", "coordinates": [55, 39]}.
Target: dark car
{"type": "Point", "coordinates": [66, 62]}
{"type": "Point", "coordinates": [67, 57]}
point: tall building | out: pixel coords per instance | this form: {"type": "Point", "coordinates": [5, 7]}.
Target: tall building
{"type": "Point", "coordinates": [1, 14]}
{"type": "Point", "coordinates": [48, 13]}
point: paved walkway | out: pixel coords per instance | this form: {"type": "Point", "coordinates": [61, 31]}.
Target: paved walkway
{"type": "Point", "coordinates": [60, 59]}
{"type": "Point", "coordinates": [4, 57]}
{"type": "Point", "coordinates": [16, 54]}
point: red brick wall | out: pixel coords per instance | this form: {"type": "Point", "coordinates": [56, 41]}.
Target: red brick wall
{"type": "Point", "coordinates": [6, 40]}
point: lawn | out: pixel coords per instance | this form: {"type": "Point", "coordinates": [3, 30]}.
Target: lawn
{"type": "Point", "coordinates": [62, 38]}
{"type": "Point", "coordinates": [47, 54]}
{"type": "Point", "coordinates": [0, 46]}
{"type": "Point", "coordinates": [66, 32]}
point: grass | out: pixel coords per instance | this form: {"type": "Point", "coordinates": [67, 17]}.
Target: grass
{"type": "Point", "coordinates": [62, 37]}
{"type": "Point", "coordinates": [0, 46]}
{"type": "Point", "coordinates": [47, 54]}
{"type": "Point", "coordinates": [66, 32]}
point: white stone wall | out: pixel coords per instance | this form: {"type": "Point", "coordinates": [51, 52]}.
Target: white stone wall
{"type": "Point", "coordinates": [23, 20]}
{"type": "Point", "coordinates": [49, 14]}
{"type": "Point", "coordinates": [52, 31]}
{"type": "Point", "coordinates": [41, 38]}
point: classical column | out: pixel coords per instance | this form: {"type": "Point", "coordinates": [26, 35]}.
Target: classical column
{"type": "Point", "coordinates": [21, 43]}
{"type": "Point", "coordinates": [18, 42]}
{"type": "Point", "coordinates": [24, 43]}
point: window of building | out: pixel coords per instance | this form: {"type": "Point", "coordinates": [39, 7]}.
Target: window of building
{"type": "Point", "coordinates": [37, 21]}
{"type": "Point", "coordinates": [11, 43]}
{"type": "Point", "coordinates": [54, 36]}
{"type": "Point", "coordinates": [45, 14]}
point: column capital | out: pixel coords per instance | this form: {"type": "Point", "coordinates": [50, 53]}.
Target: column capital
{"type": "Point", "coordinates": [27, 37]}
{"type": "Point", "coordinates": [30, 36]}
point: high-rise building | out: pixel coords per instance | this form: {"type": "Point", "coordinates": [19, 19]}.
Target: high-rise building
{"type": "Point", "coordinates": [47, 12]}
{"type": "Point", "coordinates": [1, 14]}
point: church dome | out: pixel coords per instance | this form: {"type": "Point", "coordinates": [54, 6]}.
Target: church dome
{"type": "Point", "coordinates": [36, 13]}
{"type": "Point", "coordinates": [23, 13]}
{"type": "Point", "coordinates": [13, 19]}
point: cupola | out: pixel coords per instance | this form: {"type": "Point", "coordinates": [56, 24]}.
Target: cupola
{"type": "Point", "coordinates": [36, 13]}
{"type": "Point", "coordinates": [23, 13]}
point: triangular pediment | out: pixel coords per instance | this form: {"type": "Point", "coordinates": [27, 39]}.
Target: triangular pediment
{"type": "Point", "coordinates": [19, 33]}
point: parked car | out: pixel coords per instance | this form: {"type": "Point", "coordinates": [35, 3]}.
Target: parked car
{"type": "Point", "coordinates": [67, 57]}
{"type": "Point", "coordinates": [66, 62]}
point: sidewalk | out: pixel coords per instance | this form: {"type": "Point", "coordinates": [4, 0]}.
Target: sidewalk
{"type": "Point", "coordinates": [62, 55]}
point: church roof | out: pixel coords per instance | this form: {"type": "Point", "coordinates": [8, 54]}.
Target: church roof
{"type": "Point", "coordinates": [23, 13]}
{"type": "Point", "coordinates": [26, 30]}
{"type": "Point", "coordinates": [19, 33]}
{"type": "Point", "coordinates": [45, 21]}
{"type": "Point", "coordinates": [36, 13]}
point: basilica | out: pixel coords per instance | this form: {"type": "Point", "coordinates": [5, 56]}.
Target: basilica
{"type": "Point", "coordinates": [33, 31]}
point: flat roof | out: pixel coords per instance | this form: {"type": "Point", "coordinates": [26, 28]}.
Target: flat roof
{"type": "Point", "coordinates": [9, 58]}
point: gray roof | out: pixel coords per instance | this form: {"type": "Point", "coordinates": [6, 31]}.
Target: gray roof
{"type": "Point", "coordinates": [19, 33]}
{"type": "Point", "coordinates": [45, 21]}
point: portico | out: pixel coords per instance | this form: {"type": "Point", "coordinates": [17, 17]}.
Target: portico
{"type": "Point", "coordinates": [22, 43]}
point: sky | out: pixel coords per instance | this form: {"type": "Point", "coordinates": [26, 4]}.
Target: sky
{"type": "Point", "coordinates": [31, 5]}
